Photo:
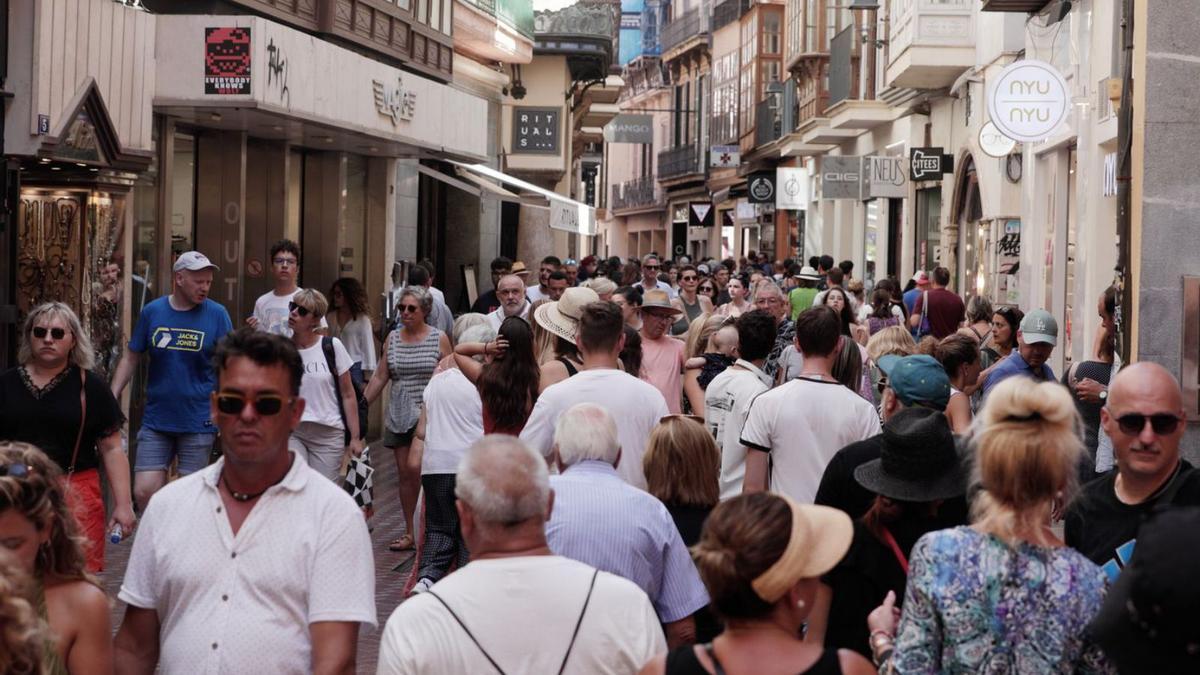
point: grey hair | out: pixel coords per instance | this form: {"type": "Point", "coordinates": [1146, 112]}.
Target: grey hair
{"type": "Point", "coordinates": [586, 431]}
{"type": "Point", "coordinates": [504, 481]}
{"type": "Point", "coordinates": [421, 294]}
{"type": "Point", "coordinates": [81, 355]}
{"type": "Point", "coordinates": [768, 285]}
{"type": "Point", "coordinates": [979, 308]}
{"type": "Point", "coordinates": [477, 333]}
{"type": "Point", "coordinates": [464, 322]}
{"type": "Point", "coordinates": [602, 285]}
{"type": "Point", "coordinates": [649, 256]}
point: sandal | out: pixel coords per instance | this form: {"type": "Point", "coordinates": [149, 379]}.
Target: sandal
{"type": "Point", "coordinates": [404, 543]}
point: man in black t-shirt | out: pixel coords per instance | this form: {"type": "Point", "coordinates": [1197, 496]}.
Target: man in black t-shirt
{"type": "Point", "coordinates": [1144, 416]}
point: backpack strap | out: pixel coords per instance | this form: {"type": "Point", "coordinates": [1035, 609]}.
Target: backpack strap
{"type": "Point", "coordinates": [331, 363]}
{"type": "Point", "coordinates": [468, 632]}
{"type": "Point", "coordinates": [579, 622]}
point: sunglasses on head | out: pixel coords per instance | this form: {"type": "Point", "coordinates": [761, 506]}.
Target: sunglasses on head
{"type": "Point", "coordinates": [302, 311]}
{"type": "Point", "coordinates": [15, 470]}
{"type": "Point", "coordinates": [1162, 424]}
{"type": "Point", "coordinates": [39, 332]}
{"type": "Point", "coordinates": [230, 403]}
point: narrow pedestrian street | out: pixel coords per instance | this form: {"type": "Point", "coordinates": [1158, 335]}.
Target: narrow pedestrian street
{"type": "Point", "coordinates": [391, 568]}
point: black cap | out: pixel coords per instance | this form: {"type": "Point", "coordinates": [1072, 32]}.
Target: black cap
{"type": "Point", "coordinates": [1148, 622]}
{"type": "Point", "coordinates": [918, 461]}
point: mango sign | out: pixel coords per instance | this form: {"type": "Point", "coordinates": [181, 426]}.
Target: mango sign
{"type": "Point", "coordinates": [1028, 100]}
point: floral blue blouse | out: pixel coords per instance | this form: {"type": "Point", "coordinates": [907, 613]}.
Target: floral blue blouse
{"type": "Point", "coordinates": [976, 605]}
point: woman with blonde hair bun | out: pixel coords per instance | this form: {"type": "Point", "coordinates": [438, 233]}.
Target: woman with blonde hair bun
{"type": "Point", "coordinates": [761, 557]}
{"type": "Point", "coordinates": [1004, 594]}
{"type": "Point", "coordinates": [36, 526]}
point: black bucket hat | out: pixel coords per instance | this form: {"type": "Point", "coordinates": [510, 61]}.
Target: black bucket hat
{"type": "Point", "coordinates": [1148, 621]}
{"type": "Point", "coordinates": [918, 461]}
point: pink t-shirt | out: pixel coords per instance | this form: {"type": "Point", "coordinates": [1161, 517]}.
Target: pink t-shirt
{"type": "Point", "coordinates": [662, 365]}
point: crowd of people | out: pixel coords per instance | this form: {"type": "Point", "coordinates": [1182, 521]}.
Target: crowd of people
{"type": "Point", "coordinates": [623, 466]}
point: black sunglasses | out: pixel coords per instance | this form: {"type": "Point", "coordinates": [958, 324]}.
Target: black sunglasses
{"type": "Point", "coordinates": [233, 404]}
{"type": "Point", "coordinates": [302, 311]}
{"type": "Point", "coordinates": [39, 332]}
{"type": "Point", "coordinates": [16, 469]}
{"type": "Point", "coordinates": [1162, 423]}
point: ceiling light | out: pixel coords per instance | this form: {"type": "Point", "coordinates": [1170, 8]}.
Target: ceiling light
{"type": "Point", "coordinates": [56, 168]}
{"type": "Point", "coordinates": [81, 164]}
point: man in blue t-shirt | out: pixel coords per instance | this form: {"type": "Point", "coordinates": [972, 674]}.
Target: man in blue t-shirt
{"type": "Point", "coordinates": [180, 332]}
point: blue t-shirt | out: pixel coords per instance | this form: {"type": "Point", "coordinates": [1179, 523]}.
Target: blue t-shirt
{"type": "Point", "coordinates": [1015, 366]}
{"type": "Point", "coordinates": [180, 346]}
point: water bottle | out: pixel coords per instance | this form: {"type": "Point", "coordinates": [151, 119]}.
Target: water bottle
{"type": "Point", "coordinates": [115, 535]}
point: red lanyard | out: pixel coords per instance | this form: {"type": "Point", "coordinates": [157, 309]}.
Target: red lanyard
{"type": "Point", "coordinates": [891, 542]}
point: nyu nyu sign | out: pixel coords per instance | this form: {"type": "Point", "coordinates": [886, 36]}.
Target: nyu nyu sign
{"type": "Point", "coordinates": [1028, 100]}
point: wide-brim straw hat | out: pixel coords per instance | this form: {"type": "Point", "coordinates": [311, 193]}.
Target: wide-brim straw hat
{"type": "Point", "coordinates": [656, 299]}
{"type": "Point", "coordinates": [519, 269]}
{"type": "Point", "coordinates": [562, 317]}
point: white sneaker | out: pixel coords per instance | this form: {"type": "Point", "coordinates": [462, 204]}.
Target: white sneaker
{"type": "Point", "coordinates": [422, 585]}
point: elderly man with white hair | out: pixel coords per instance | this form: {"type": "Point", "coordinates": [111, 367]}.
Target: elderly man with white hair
{"type": "Point", "coordinates": [601, 520]}
{"type": "Point", "coordinates": [517, 607]}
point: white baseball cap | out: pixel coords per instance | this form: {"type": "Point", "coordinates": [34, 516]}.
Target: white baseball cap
{"type": "Point", "coordinates": [194, 261]}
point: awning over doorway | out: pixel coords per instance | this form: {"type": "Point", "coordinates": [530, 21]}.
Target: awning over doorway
{"type": "Point", "coordinates": [471, 184]}
{"type": "Point", "coordinates": [565, 213]}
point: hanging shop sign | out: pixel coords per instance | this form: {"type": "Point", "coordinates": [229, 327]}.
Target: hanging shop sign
{"type": "Point", "coordinates": [1028, 100]}
{"type": "Point", "coordinates": [679, 214]}
{"type": "Point", "coordinates": [791, 188]}
{"type": "Point", "coordinates": [929, 164]}
{"type": "Point", "coordinates": [535, 131]}
{"type": "Point", "coordinates": [744, 210]}
{"type": "Point", "coordinates": [841, 177]}
{"type": "Point", "coordinates": [761, 187]}
{"type": "Point", "coordinates": [627, 128]}
{"type": "Point", "coordinates": [724, 156]}
{"type": "Point", "coordinates": [700, 214]}
{"type": "Point", "coordinates": [885, 177]}
{"type": "Point", "coordinates": [227, 60]}
{"type": "Point", "coordinates": [994, 143]}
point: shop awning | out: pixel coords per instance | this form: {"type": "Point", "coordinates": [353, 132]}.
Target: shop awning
{"type": "Point", "coordinates": [565, 213]}
{"type": "Point", "coordinates": [471, 184]}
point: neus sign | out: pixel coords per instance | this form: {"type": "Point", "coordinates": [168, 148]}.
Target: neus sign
{"type": "Point", "coordinates": [1028, 100]}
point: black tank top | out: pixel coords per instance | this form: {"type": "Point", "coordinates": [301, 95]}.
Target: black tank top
{"type": "Point", "coordinates": [571, 369]}
{"type": "Point", "coordinates": [683, 661]}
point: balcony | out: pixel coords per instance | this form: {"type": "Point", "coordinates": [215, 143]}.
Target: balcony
{"type": "Point", "coordinates": [931, 42]}
{"type": "Point", "coordinates": [639, 193]}
{"type": "Point", "coordinates": [768, 122]}
{"type": "Point", "coordinates": [729, 11]}
{"type": "Point", "coordinates": [679, 162]}
{"type": "Point", "coordinates": [687, 31]}
{"type": "Point", "coordinates": [1027, 6]}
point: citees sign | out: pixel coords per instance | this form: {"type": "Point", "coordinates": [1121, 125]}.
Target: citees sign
{"type": "Point", "coordinates": [885, 177]}
{"type": "Point", "coordinates": [841, 177]}
{"type": "Point", "coordinates": [1028, 100]}
{"type": "Point", "coordinates": [761, 187]}
{"type": "Point", "coordinates": [791, 188]}
{"type": "Point", "coordinates": [929, 164]}
{"type": "Point", "coordinates": [535, 131]}
{"type": "Point", "coordinates": [627, 128]}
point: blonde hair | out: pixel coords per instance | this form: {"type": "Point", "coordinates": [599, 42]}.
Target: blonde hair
{"type": "Point", "coordinates": [602, 285]}
{"type": "Point", "coordinates": [81, 354]}
{"type": "Point", "coordinates": [544, 341]}
{"type": "Point", "coordinates": [312, 300]}
{"type": "Point", "coordinates": [39, 497]}
{"type": "Point", "coordinates": [891, 340]}
{"type": "Point", "coordinates": [22, 633]}
{"type": "Point", "coordinates": [1027, 450]}
{"type": "Point", "coordinates": [682, 463]}
{"type": "Point", "coordinates": [700, 331]}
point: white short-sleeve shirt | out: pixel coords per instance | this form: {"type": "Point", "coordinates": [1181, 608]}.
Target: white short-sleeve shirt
{"type": "Point", "coordinates": [803, 423]}
{"type": "Point", "coordinates": [272, 312]}
{"type": "Point", "coordinates": [523, 611]}
{"type": "Point", "coordinates": [321, 404]}
{"type": "Point", "coordinates": [453, 421]}
{"type": "Point", "coordinates": [240, 604]}
{"type": "Point", "coordinates": [726, 403]}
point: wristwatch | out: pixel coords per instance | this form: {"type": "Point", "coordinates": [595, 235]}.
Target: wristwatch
{"type": "Point", "coordinates": [1103, 394]}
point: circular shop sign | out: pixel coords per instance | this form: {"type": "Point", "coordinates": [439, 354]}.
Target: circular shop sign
{"type": "Point", "coordinates": [993, 143]}
{"type": "Point", "coordinates": [762, 189]}
{"type": "Point", "coordinates": [1028, 100]}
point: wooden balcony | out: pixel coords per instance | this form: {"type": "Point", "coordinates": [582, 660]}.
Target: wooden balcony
{"type": "Point", "coordinates": [930, 42]}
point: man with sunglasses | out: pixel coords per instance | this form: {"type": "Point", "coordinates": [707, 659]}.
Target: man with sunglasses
{"type": "Point", "coordinates": [650, 269]}
{"type": "Point", "coordinates": [179, 332]}
{"type": "Point", "coordinates": [1144, 416]}
{"type": "Point", "coordinates": [257, 563]}
{"type": "Point", "coordinates": [271, 309]}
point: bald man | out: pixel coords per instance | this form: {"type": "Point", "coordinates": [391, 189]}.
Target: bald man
{"type": "Point", "coordinates": [511, 293]}
{"type": "Point", "coordinates": [1144, 416]}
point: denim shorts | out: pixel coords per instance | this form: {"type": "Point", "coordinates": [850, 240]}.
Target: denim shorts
{"type": "Point", "coordinates": [155, 449]}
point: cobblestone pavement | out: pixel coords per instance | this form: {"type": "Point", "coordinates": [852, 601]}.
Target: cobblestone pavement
{"type": "Point", "coordinates": [387, 524]}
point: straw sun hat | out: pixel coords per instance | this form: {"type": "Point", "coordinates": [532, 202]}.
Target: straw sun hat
{"type": "Point", "coordinates": [562, 318]}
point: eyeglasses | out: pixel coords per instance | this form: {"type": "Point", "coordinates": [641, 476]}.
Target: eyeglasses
{"type": "Point", "coordinates": [39, 332]}
{"type": "Point", "coordinates": [405, 309]}
{"type": "Point", "coordinates": [1161, 423]}
{"type": "Point", "coordinates": [289, 262]}
{"type": "Point", "coordinates": [233, 404]}
{"type": "Point", "coordinates": [302, 311]}
{"type": "Point", "coordinates": [16, 470]}
{"type": "Point", "coordinates": [707, 289]}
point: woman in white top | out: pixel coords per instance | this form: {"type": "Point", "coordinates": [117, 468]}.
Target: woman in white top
{"type": "Point", "coordinates": [352, 324]}
{"type": "Point", "coordinates": [320, 438]}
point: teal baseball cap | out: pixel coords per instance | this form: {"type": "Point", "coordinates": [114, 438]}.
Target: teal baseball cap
{"type": "Point", "coordinates": [917, 379]}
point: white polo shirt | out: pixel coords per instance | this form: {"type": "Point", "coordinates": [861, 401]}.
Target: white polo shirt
{"type": "Point", "coordinates": [802, 424]}
{"type": "Point", "coordinates": [236, 604]}
{"type": "Point", "coordinates": [726, 403]}
{"type": "Point", "coordinates": [497, 317]}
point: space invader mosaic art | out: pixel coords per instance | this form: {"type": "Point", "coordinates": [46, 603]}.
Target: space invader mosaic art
{"type": "Point", "coordinates": [226, 60]}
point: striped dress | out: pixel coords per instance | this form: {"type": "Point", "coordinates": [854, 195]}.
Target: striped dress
{"type": "Point", "coordinates": [410, 365]}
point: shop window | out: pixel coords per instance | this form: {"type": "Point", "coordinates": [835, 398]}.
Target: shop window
{"type": "Point", "coordinates": [183, 190]}
{"type": "Point", "coordinates": [352, 230]}
{"type": "Point", "coordinates": [929, 228]}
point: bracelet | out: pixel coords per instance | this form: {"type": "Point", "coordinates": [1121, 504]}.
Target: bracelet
{"type": "Point", "coordinates": [883, 658]}
{"type": "Point", "coordinates": [884, 633]}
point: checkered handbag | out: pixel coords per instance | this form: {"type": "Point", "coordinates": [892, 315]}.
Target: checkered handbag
{"type": "Point", "coordinates": [360, 481]}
